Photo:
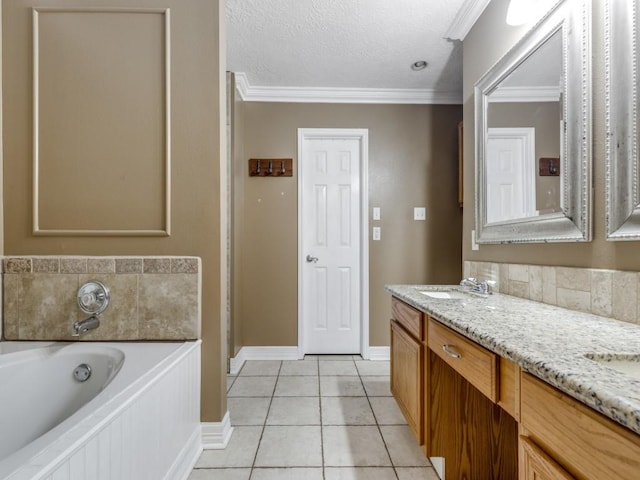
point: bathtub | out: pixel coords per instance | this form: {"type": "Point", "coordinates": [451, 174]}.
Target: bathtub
{"type": "Point", "coordinates": [135, 417]}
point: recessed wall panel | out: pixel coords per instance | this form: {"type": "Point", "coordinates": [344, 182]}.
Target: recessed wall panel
{"type": "Point", "coordinates": [101, 121]}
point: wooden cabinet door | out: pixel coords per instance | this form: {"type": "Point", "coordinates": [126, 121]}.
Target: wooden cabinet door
{"type": "Point", "coordinates": [407, 377]}
{"type": "Point", "coordinates": [535, 464]}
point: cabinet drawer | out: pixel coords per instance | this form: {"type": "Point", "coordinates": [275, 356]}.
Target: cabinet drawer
{"type": "Point", "coordinates": [408, 317]}
{"type": "Point", "coordinates": [586, 443]}
{"type": "Point", "coordinates": [475, 363]}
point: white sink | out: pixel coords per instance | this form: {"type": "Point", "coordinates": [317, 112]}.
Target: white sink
{"type": "Point", "coordinates": [444, 294]}
{"type": "Point", "coordinates": [628, 365]}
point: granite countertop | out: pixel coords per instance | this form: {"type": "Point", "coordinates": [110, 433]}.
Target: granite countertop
{"type": "Point", "coordinates": [549, 342]}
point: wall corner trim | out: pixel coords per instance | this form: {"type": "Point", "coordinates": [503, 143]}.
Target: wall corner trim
{"type": "Point", "coordinates": [216, 435]}
{"type": "Point", "coordinates": [261, 353]}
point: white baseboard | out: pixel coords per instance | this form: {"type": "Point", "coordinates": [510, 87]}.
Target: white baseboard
{"type": "Point", "coordinates": [261, 353]}
{"type": "Point", "coordinates": [379, 353]}
{"type": "Point", "coordinates": [438, 465]}
{"type": "Point", "coordinates": [216, 435]}
{"type": "Point", "coordinates": [188, 457]}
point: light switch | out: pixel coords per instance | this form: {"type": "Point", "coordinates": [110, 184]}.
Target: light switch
{"type": "Point", "coordinates": [419, 213]}
{"type": "Point", "coordinates": [376, 213]}
{"type": "Point", "coordinates": [376, 233]}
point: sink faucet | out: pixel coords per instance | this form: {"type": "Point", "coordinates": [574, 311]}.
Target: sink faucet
{"type": "Point", "coordinates": [472, 285]}
{"type": "Point", "coordinates": [83, 326]}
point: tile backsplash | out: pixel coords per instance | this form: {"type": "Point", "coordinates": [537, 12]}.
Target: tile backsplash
{"type": "Point", "coordinates": [152, 298]}
{"type": "Point", "coordinates": [609, 293]}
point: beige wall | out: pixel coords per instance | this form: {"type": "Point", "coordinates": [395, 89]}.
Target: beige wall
{"type": "Point", "coordinates": [545, 118]}
{"type": "Point", "coordinates": [197, 139]}
{"type": "Point", "coordinates": [412, 162]}
{"type": "Point", "coordinates": [489, 39]}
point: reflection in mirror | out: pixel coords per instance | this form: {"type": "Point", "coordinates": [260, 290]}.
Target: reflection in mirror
{"type": "Point", "coordinates": [524, 119]}
{"type": "Point", "coordinates": [622, 162]}
{"type": "Point", "coordinates": [532, 135]}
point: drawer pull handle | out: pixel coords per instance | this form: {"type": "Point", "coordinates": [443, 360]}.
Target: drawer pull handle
{"type": "Point", "coordinates": [452, 353]}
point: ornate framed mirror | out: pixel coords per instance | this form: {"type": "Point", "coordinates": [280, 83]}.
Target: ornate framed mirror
{"type": "Point", "coordinates": [533, 135]}
{"type": "Point", "coordinates": [622, 163]}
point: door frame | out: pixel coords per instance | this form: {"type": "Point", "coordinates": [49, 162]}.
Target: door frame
{"type": "Point", "coordinates": [362, 135]}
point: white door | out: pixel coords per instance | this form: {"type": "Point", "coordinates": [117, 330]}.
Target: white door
{"type": "Point", "coordinates": [510, 174]}
{"type": "Point", "coordinates": [331, 238]}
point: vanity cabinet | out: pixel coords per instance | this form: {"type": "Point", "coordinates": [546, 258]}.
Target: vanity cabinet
{"type": "Point", "coordinates": [535, 464]}
{"type": "Point", "coordinates": [407, 358]}
{"type": "Point", "coordinates": [572, 437]}
{"type": "Point", "coordinates": [489, 419]}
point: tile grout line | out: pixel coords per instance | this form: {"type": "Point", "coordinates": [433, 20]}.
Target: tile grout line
{"type": "Point", "coordinates": [264, 425]}
{"type": "Point", "coordinates": [375, 417]}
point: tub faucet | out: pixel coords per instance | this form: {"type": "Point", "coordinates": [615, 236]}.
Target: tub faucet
{"type": "Point", "coordinates": [83, 326]}
{"type": "Point", "coordinates": [472, 285]}
{"type": "Point", "coordinates": [93, 299]}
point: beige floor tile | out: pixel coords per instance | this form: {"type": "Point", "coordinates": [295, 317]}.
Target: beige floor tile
{"type": "Point", "coordinates": [347, 411]}
{"type": "Point", "coordinates": [259, 368]}
{"type": "Point", "coordinates": [359, 473]}
{"type": "Point", "coordinates": [311, 358]}
{"type": "Point", "coordinates": [370, 367]}
{"type": "Point", "coordinates": [403, 448]}
{"type": "Point", "coordinates": [341, 386]}
{"type": "Point", "coordinates": [240, 451]}
{"type": "Point", "coordinates": [230, 380]}
{"type": "Point", "coordinates": [377, 386]}
{"type": "Point", "coordinates": [337, 367]}
{"type": "Point", "coordinates": [294, 411]}
{"type": "Point", "coordinates": [220, 474]}
{"type": "Point", "coordinates": [413, 473]}
{"type": "Point", "coordinates": [297, 387]}
{"type": "Point", "coordinates": [296, 367]}
{"type": "Point", "coordinates": [312, 473]}
{"type": "Point", "coordinates": [252, 387]}
{"type": "Point", "coordinates": [323, 358]}
{"type": "Point", "coordinates": [248, 411]}
{"type": "Point", "coordinates": [354, 446]}
{"type": "Point", "coordinates": [387, 411]}
{"type": "Point", "coordinates": [290, 447]}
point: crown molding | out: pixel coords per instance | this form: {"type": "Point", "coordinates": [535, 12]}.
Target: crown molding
{"type": "Point", "coordinates": [524, 94]}
{"type": "Point", "coordinates": [250, 93]}
{"type": "Point", "coordinates": [468, 14]}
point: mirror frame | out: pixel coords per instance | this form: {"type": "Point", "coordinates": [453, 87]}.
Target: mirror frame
{"type": "Point", "coordinates": [574, 223]}
{"type": "Point", "coordinates": [622, 217]}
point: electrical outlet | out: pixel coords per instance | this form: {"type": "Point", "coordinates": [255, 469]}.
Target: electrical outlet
{"type": "Point", "coordinates": [419, 213]}
{"type": "Point", "coordinates": [376, 213]}
{"type": "Point", "coordinates": [376, 233]}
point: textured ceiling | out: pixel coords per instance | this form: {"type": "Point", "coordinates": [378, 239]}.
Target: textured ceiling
{"type": "Point", "coordinates": [344, 43]}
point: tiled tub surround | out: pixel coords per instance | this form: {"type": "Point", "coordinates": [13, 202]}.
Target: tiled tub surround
{"type": "Point", "coordinates": [152, 298]}
{"type": "Point", "coordinates": [609, 293]}
{"type": "Point", "coordinates": [548, 341]}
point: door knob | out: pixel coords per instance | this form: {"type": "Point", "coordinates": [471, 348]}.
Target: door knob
{"type": "Point", "coordinates": [311, 259]}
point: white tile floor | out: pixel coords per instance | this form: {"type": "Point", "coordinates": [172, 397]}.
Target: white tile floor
{"type": "Point", "coordinates": [321, 418]}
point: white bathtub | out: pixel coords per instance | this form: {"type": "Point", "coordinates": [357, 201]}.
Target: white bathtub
{"type": "Point", "coordinates": [136, 417]}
